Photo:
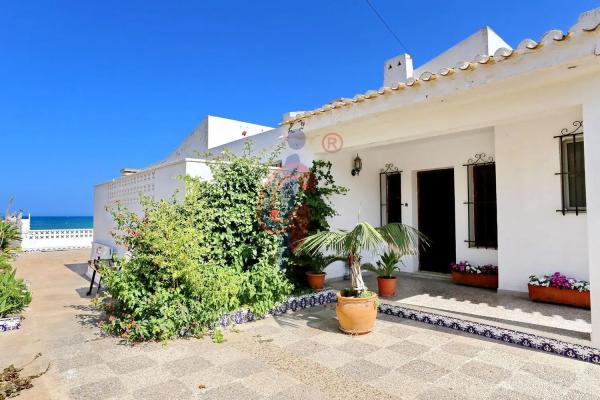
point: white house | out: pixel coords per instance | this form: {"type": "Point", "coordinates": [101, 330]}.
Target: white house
{"type": "Point", "coordinates": [481, 148]}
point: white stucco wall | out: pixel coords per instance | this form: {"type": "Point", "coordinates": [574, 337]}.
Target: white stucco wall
{"type": "Point", "coordinates": [449, 151]}
{"type": "Point", "coordinates": [483, 42]}
{"type": "Point", "coordinates": [159, 182]}
{"type": "Point", "coordinates": [533, 238]}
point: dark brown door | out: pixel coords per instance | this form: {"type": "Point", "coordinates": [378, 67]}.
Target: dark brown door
{"type": "Point", "coordinates": [436, 219]}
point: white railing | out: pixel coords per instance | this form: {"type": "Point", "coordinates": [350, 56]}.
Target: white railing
{"type": "Point", "coordinates": [56, 239]}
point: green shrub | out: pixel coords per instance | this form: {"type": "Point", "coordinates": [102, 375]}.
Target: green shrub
{"type": "Point", "coordinates": [193, 261]}
{"type": "Point", "coordinates": [14, 295]}
{"type": "Point", "coordinates": [316, 198]}
{"type": "Point", "coordinates": [9, 237]}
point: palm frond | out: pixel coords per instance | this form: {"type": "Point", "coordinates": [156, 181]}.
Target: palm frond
{"type": "Point", "coordinates": [403, 239]}
{"type": "Point", "coordinates": [370, 267]}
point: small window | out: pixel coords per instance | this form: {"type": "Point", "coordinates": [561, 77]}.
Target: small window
{"type": "Point", "coordinates": [483, 221]}
{"type": "Point", "coordinates": [574, 167]}
{"type": "Point", "coordinates": [390, 195]}
{"type": "Point", "coordinates": [572, 170]}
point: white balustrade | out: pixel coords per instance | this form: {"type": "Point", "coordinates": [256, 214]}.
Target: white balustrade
{"type": "Point", "coordinates": [56, 239]}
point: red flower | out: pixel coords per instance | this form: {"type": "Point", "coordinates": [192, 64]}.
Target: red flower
{"type": "Point", "coordinates": [274, 213]}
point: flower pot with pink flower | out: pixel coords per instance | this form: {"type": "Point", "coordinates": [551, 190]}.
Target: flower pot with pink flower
{"type": "Point", "coordinates": [483, 276]}
{"type": "Point", "coordinates": [559, 289]}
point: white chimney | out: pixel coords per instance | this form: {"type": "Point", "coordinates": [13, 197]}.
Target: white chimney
{"type": "Point", "coordinates": [397, 69]}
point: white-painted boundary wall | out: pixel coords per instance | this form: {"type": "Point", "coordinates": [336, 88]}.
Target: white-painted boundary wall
{"type": "Point", "coordinates": [159, 182]}
{"type": "Point", "coordinates": [56, 239]}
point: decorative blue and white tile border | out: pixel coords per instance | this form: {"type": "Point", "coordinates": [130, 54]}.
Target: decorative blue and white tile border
{"type": "Point", "coordinates": [293, 303]}
{"type": "Point", "coordinates": [10, 324]}
{"type": "Point", "coordinates": [571, 350]}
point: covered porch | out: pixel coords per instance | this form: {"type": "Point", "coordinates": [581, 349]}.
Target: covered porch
{"type": "Point", "coordinates": [435, 293]}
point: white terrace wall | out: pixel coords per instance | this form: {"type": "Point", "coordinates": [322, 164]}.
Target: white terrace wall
{"type": "Point", "coordinates": [532, 237]}
{"type": "Point", "coordinates": [56, 239]}
{"type": "Point", "coordinates": [159, 182]}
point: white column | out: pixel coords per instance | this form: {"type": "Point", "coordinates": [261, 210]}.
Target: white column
{"type": "Point", "coordinates": [591, 129]}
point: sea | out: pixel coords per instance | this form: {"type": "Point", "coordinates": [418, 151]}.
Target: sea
{"type": "Point", "coordinates": [38, 222]}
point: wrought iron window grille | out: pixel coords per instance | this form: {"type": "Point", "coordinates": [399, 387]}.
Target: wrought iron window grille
{"type": "Point", "coordinates": [571, 178]}
{"type": "Point", "coordinates": [490, 240]}
{"type": "Point", "coordinates": [389, 170]}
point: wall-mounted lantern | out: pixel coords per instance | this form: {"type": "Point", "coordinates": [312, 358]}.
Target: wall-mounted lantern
{"type": "Point", "coordinates": [357, 166]}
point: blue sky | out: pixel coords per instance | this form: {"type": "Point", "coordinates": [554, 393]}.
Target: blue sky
{"type": "Point", "coordinates": [87, 88]}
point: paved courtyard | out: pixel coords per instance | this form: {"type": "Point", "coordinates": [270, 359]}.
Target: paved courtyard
{"type": "Point", "coordinates": [295, 356]}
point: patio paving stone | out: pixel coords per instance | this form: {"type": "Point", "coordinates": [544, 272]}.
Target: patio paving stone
{"type": "Point", "coordinates": [378, 339]}
{"type": "Point", "coordinates": [574, 394]}
{"type": "Point", "coordinates": [443, 359]}
{"type": "Point", "coordinates": [387, 358]}
{"type": "Point", "coordinates": [424, 370]}
{"type": "Point", "coordinates": [186, 366]}
{"type": "Point", "coordinates": [242, 368]}
{"type": "Point", "coordinates": [299, 392]}
{"type": "Point", "coordinates": [356, 348]}
{"type": "Point", "coordinates": [363, 370]}
{"type": "Point", "coordinates": [306, 347]}
{"type": "Point", "coordinates": [587, 385]}
{"type": "Point", "coordinates": [79, 361]}
{"type": "Point", "coordinates": [100, 389]}
{"type": "Point", "coordinates": [131, 364]}
{"type": "Point", "coordinates": [333, 339]}
{"type": "Point", "coordinates": [550, 373]}
{"type": "Point", "coordinates": [487, 372]}
{"type": "Point", "coordinates": [268, 383]}
{"type": "Point", "coordinates": [398, 331]}
{"type": "Point", "coordinates": [229, 392]}
{"type": "Point", "coordinates": [409, 349]}
{"type": "Point", "coordinates": [220, 355]}
{"type": "Point", "coordinates": [533, 386]}
{"type": "Point", "coordinates": [80, 376]}
{"type": "Point", "coordinates": [400, 385]}
{"type": "Point", "coordinates": [502, 393]}
{"type": "Point", "coordinates": [436, 393]}
{"type": "Point", "coordinates": [172, 389]}
{"type": "Point", "coordinates": [137, 380]}
{"type": "Point", "coordinates": [461, 349]}
{"type": "Point", "coordinates": [209, 378]}
{"type": "Point", "coordinates": [503, 359]}
{"type": "Point", "coordinates": [465, 385]}
{"type": "Point", "coordinates": [333, 358]}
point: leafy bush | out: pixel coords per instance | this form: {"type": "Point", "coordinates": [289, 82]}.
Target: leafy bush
{"type": "Point", "coordinates": [314, 199]}
{"type": "Point", "coordinates": [14, 294]}
{"type": "Point", "coordinates": [193, 261]}
{"type": "Point", "coordinates": [9, 236]}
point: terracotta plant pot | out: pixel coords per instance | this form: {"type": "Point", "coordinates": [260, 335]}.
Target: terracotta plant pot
{"type": "Point", "coordinates": [478, 280]}
{"type": "Point", "coordinates": [356, 315]}
{"type": "Point", "coordinates": [568, 297]}
{"type": "Point", "coordinates": [315, 280]}
{"type": "Point", "coordinates": [387, 286]}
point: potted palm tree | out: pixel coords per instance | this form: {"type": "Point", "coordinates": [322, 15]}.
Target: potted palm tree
{"type": "Point", "coordinates": [356, 307]}
{"type": "Point", "coordinates": [316, 264]}
{"type": "Point", "coordinates": [384, 268]}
